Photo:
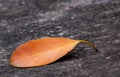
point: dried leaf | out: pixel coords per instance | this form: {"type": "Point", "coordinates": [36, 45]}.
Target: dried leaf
{"type": "Point", "coordinates": [43, 51]}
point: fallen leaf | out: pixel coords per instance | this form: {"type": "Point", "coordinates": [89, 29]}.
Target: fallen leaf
{"type": "Point", "coordinates": [43, 51]}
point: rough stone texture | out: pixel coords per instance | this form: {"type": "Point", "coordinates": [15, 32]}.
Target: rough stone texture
{"type": "Point", "coordinates": [97, 21]}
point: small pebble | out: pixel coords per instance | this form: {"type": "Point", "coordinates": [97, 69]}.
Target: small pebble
{"type": "Point", "coordinates": [108, 57]}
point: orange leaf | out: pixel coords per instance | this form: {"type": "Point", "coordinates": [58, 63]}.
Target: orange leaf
{"type": "Point", "coordinates": [43, 51]}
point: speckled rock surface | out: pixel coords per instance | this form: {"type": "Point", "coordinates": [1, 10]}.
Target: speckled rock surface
{"type": "Point", "coordinates": [97, 21]}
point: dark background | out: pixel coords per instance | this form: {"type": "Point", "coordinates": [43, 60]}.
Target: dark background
{"type": "Point", "coordinates": [97, 21]}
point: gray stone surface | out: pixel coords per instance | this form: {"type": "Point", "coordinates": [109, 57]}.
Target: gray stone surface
{"type": "Point", "coordinates": [97, 21]}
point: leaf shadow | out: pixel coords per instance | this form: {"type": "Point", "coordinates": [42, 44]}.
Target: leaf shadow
{"type": "Point", "coordinates": [74, 54]}
{"type": "Point", "coordinates": [77, 53]}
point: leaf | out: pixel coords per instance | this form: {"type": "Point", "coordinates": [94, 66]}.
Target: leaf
{"type": "Point", "coordinates": [43, 51]}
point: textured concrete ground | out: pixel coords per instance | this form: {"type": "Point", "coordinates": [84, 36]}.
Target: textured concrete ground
{"type": "Point", "coordinates": [97, 21]}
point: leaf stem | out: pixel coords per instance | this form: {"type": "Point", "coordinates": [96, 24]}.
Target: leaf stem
{"type": "Point", "coordinates": [90, 44]}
